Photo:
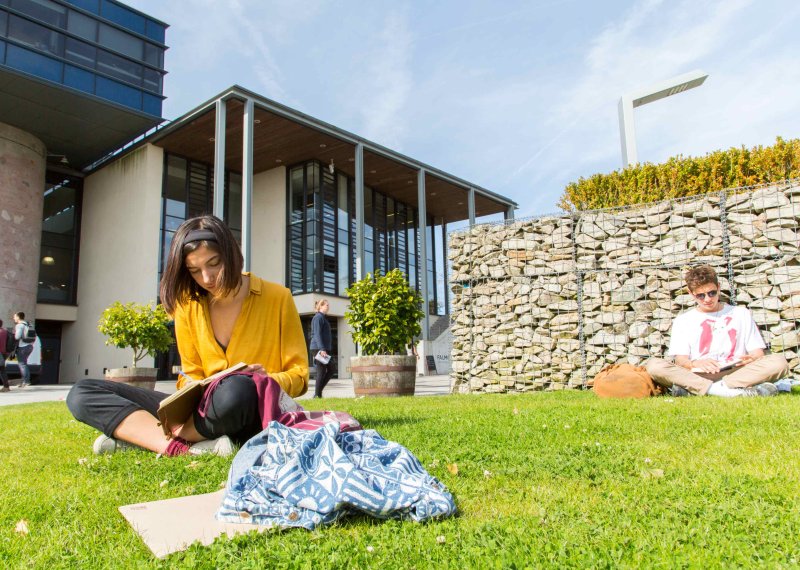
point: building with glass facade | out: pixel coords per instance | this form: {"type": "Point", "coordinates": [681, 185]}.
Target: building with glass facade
{"type": "Point", "coordinates": [315, 207]}
{"type": "Point", "coordinates": [78, 80]}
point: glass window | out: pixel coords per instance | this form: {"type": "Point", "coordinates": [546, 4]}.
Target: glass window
{"type": "Point", "coordinates": [2, 52]}
{"type": "Point", "coordinates": [92, 6]}
{"type": "Point", "coordinates": [154, 55]}
{"type": "Point", "coordinates": [43, 10]}
{"type": "Point", "coordinates": [3, 21]}
{"type": "Point", "coordinates": [118, 92]}
{"type": "Point", "coordinates": [401, 237]}
{"type": "Point", "coordinates": [60, 220]}
{"type": "Point", "coordinates": [119, 68]}
{"type": "Point", "coordinates": [312, 188]}
{"type": "Point", "coordinates": [82, 26]}
{"type": "Point", "coordinates": [411, 231]}
{"type": "Point", "coordinates": [391, 238]}
{"type": "Point", "coordinates": [79, 52]}
{"type": "Point", "coordinates": [79, 79]}
{"type": "Point", "coordinates": [233, 203]}
{"type": "Point", "coordinates": [121, 42]}
{"type": "Point", "coordinates": [151, 104]}
{"type": "Point", "coordinates": [152, 80]}
{"type": "Point", "coordinates": [122, 16]}
{"type": "Point", "coordinates": [34, 63]}
{"type": "Point", "coordinates": [430, 236]}
{"type": "Point", "coordinates": [328, 195]}
{"type": "Point", "coordinates": [34, 35]}
{"type": "Point", "coordinates": [343, 233]}
{"type": "Point", "coordinates": [175, 180]}
{"type": "Point", "coordinates": [440, 273]}
{"type": "Point", "coordinates": [154, 31]}
{"type": "Point", "coordinates": [369, 236]}
{"type": "Point", "coordinates": [295, 232]}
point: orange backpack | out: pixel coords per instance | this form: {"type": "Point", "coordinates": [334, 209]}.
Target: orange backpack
{"type": "Point", "coordinates": [624, 381]}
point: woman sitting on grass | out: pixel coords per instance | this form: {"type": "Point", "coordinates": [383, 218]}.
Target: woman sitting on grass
{"type": "Point", "coordinates": [222, 317]}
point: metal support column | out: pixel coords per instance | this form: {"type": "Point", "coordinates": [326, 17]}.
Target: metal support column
{"type": "Point", "coordinates": [445, 268]}
{"type": "Point", "coordinates": [471, 206]}
{"type": "Point", "coordinates": [423, 249]}
{"type": "Point", "coordinates": [509, 214]}
{"type": "Point", "coordinates": [361, 268]}
{"type": "Point", "coordinates": [627, 132]}
{"type": "Point", "coordinates": [247, 181]}
{"type": "Point", "coordinates": [219, 160]}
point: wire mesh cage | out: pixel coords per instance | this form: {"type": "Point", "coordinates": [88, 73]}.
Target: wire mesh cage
{"type": "Point", "coordinates": [545, 303]}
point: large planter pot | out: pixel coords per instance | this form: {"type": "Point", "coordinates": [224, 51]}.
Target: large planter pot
{"type": "Point", "coordinates": [384, 375]}
{"type": "Point", "coordinates": [141, 377]}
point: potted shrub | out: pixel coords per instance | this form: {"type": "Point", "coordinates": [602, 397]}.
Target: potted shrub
{"type": "Point", "coordinates": [384, 315]}
{"type": "Point", "coordinates": [143, 329]}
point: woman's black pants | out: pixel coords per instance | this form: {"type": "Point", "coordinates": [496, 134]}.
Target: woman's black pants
{"type": "Point", "coordinates": [323, 375]}
{"type": "Point", "coordinates": [104, 404]}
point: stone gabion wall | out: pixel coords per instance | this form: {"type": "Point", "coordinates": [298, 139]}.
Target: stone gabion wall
{"type": "Point", "coordinates": [546, 303]}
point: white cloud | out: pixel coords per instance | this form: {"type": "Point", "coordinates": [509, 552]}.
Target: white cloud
{"type": "Point", "coordinates": [387, 82]}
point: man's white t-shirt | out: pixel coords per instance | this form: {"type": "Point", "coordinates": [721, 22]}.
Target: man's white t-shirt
{"type": "Point", "coordinates": [724, 336]}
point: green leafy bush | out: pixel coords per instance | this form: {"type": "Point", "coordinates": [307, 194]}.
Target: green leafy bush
{"type": "Point", "coordinates": [140, 327]}
{"type": "Point", "coordinates": [384, 313]}
{"type": "Point", "coordinates": [685, 176]}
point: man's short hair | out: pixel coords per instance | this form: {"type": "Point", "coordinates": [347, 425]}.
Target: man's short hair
{"type": "Point", "coordinates": [20, 315]}
{"type": "Point", "coordinates": [701, 275]}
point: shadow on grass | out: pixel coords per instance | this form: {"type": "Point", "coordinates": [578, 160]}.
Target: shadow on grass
{"type": "Point", "coordinates": [377, 423]}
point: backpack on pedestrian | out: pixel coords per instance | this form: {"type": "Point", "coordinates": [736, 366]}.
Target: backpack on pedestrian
{"type": "Point", "coordinates": [8, 344]}
{"type": "Point", "coordinates": [30, 334]}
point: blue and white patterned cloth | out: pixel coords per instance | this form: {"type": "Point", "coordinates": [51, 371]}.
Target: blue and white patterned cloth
{"type": "Point", "coordinates": [288, 477]}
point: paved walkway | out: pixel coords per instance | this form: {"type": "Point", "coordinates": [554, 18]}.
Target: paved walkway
{"type": "Point", "coordinates": [426, 386]}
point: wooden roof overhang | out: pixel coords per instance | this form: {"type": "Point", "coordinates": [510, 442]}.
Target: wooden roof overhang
{"type": "Point", "coordinates": [283, 137]}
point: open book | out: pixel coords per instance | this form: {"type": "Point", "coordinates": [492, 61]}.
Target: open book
{"type": "Point", "coordinates": [176, 408]}
{"type": "Point", "coordinates": [722, 366]}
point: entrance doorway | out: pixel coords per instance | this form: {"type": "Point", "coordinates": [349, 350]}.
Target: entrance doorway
{"type": "Point", "coordinates": [49, 333]}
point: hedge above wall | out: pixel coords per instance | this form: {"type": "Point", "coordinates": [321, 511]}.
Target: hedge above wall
{"type": "Point", "coordinates": [685, 176]}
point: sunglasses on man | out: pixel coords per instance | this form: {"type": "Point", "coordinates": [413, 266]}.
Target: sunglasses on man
{"type": "Point", "coordinates": [702, 296]}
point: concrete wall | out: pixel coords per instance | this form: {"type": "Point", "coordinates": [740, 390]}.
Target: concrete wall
{"type": "Point", "coordinates": [119, 256]}
{"type": "Point", "coordinates": [269, 225]}
{"type": "Point", "coordinates": [22, 169]}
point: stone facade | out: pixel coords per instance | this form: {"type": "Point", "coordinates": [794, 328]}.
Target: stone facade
{"type": "Point", "coordinates": [22, 168]}
{"type": "Point", "coordinates": [544, 304]}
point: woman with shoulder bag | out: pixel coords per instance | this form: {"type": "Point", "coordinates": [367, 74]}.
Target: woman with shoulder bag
{"type": "Point", "coordinates": [322, 343]}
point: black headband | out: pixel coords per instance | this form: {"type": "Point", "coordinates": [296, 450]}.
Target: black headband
{"type": "Point", "coordinates": [199, 235]}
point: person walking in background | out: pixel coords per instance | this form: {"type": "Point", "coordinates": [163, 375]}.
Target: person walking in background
{"type": "Point", "coordinates": [4, 334]}
{"type": "Point", "coordinates": [322, 343]}
{"type": "Point", "coordinates": [24, 349]}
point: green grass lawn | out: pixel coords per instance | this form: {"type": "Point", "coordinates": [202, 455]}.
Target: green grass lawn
{"type": "Point", "coordinates": [556, 479]}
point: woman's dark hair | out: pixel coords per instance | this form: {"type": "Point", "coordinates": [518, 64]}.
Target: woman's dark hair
{"type": "Point", "coordinates": [177, 284]}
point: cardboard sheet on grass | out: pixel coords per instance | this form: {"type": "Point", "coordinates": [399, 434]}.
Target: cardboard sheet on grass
{"type": "Point", "coordinates": [172, 525]}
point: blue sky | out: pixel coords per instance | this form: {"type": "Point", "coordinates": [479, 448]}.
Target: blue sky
{"type": "Point", "coordinates": [519, 97]}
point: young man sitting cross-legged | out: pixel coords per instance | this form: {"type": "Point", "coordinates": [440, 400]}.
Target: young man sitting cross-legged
{"type": "Point", "coordinates": [709, 337]}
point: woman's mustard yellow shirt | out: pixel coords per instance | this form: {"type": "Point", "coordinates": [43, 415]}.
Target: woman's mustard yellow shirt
{"type": "Point", "coordinates": [267, 332]}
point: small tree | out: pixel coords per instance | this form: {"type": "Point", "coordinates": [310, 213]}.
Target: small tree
{"type": "Point", "coordinates": [384, 313]}
{"type": "Point", "coordinates": [142, 328]}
